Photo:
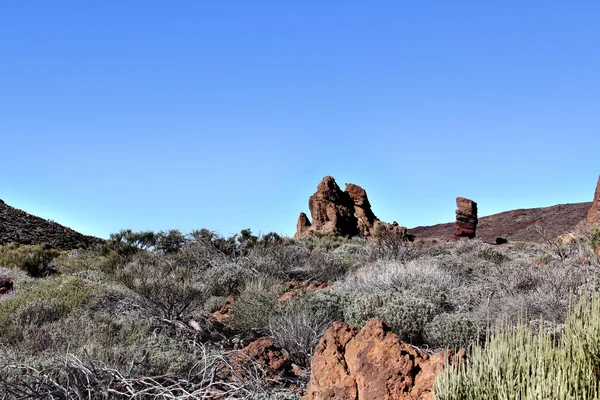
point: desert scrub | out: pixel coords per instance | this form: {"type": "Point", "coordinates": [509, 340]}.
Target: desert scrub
{"type": "Point", "coordinates": [406, 314]}
{"type": "Point", "coordinates": [35, 260]}
{"type": "Point", "coordinates": [169, 288]}
{"type": "Point", "coordinates": [452, 330]}
{"type": "Point", "coordinates": [518, 363]}
{"type": "Point", "coordinates": [43, 301]}
{"type": "Point", "coordinates": [255, 305]}
{"type": "Point", "coordinates": [299, 323]}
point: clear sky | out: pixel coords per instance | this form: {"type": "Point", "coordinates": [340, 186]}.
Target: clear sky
{"type": "Point", "coordinates": [226, 114]}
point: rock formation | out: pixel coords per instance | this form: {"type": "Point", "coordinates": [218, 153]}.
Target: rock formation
{"type": "Point", "coordinates": [21, 227]}
{"type": "Point", "coordinates": [466, 218]}
{"type": "Point", "coordinates": [343, 213]}
{"type": "Point", "coordinates": [372, 364]}
{"type": "Point", "coordinates": [593, 217]}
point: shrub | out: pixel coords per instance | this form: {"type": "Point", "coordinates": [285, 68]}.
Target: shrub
{"type": "Point", "coordinates": [42, 302]}
{"type": "Point", "coordinates": [214, 303]}
{"type": "Point", "coordinates": [407, 316]}
{"type": "Point", "coordinates": [169, 288]}
{"type": "Point", "coordinates": [298, 326]}
{"type": "Point", "coordinates": [35, 260]}
{"type": "Point", "coordinates": [255, 305]}
{"type": "Point", "coordinates": [452, 330]}
{"type": "Point", "coordinates": [520, 364]}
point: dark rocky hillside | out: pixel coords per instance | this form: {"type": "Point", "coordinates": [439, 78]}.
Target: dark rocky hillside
{"type": "Point", "coordinates": [517, 225]}
{"type": "Point", "coordinates": [18, 226]}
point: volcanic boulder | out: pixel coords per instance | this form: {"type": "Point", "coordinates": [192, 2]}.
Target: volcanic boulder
{"type": "Point", "coordinates": [342, 213]}
{"type": "Point", "coordinates": [372, 364]}
{"type": "Point", "coordinates": [466, 218]}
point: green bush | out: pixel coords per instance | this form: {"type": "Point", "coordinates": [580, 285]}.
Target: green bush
{"type": "Point", "coordinates": [214, 303]}
{"type": "Point", "coordinates": [298, 326]}
{"type": "Point", "coordinates": [35, 260]}
{"type": "Point", "coordinates": [520, 364]}
{"type": "Point", "coordinates": [255, 305]}
{"type": "Point", "coordinates": [299, 323]}
{"type": "Point", "coordinates": [41, 302]}
{"type": "Point", "coordinates": [170, 288]}
{"type": "Point", "coordinates": [452, 330]}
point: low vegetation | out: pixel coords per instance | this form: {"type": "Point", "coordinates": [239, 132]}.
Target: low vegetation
{"type": "Point", "coordinates": [132, 316]}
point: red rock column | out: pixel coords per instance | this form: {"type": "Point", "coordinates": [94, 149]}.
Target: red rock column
{"type": "Point", "coordinates": [466, 218]}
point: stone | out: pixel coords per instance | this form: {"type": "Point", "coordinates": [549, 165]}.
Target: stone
{"type": "Point", "coordinates": [371, 364]}
{"type": "Point", "coordinates": [340, 212]}
{"type": "Point", "coordinates": [466, 218]}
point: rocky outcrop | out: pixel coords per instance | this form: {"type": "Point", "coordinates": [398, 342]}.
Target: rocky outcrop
{"type": "Point", "coordinates": [341, 212]}
{"type": "Point", "coordinates": [303, 224]}
{"type": "Point", "coordinates": [370, 364]}
{"type": "Point", "coordinates": [466, 218]}
{"type": "Point", "coordinates": [593, 217]}
{"type": "Point", "coordinates": [21, 227]}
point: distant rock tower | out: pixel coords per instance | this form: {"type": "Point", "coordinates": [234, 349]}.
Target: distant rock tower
{"type": "Point", "coordinates": [466, 218]}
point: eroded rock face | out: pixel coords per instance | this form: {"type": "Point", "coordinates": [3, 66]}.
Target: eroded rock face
{"type": "Point", "coordinates": [593, 217]}
{"type": "Point", "coordinates": [341, 212]}
{"type": "Point", "coordinates": [370, 364]}
{"type": "Point", "coordinates": [466, 218]}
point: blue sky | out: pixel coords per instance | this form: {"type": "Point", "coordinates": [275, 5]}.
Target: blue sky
{"type": "Point", "coordinates": [227, 114]}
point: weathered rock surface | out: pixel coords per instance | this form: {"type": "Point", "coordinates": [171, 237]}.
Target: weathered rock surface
{"type": "Point", "coordinates": [341, 212]}
{"type": "Point", "coordinates": [466, 218]}
{"type": "Point", "coordinates": [370, 364]}
{"type": "Point", "coordinates": [593, 217]}
{"type": "Point", "coordinates": [6, 285]}
{"type": "Point", "coordinates": [21, 227]}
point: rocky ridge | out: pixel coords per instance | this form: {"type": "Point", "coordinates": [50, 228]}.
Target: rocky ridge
{"type": "Point", "coordinates": [18, 226]}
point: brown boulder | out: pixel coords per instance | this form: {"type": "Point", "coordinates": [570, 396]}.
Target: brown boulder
{"type": "Point", "coordinates": [466, 218]}
{"type": "Point", "coordinates": [372, 364]}
{"type": "Point", "coordinates": [6, 285]}
{"type": "Point", "coordinates": [343, 213]}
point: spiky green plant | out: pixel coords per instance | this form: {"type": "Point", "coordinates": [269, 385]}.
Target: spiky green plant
{"type": "Point", "coordinates": [521, 364]}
